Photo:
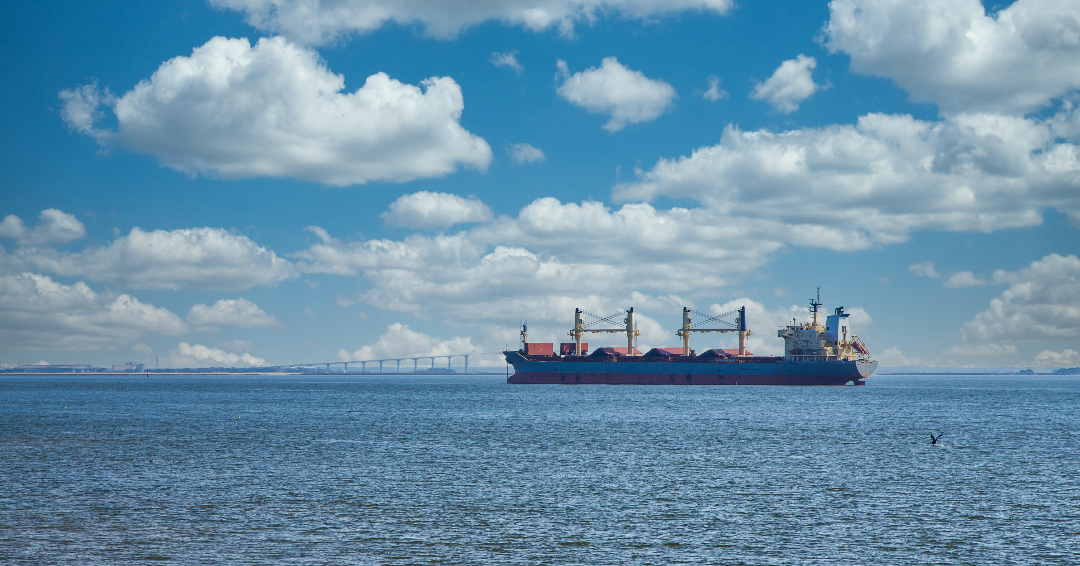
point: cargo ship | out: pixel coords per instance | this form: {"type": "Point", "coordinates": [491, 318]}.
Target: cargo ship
{"type": "Point", "coordinates": [814, 354]}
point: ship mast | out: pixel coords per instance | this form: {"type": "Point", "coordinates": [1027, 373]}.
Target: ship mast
{"type": "Point", "coordinates": [576, 332]}
{"type": "Point", "coordinates": [685, 331]}
{"type": "Point", "coordinates": [814, 304]}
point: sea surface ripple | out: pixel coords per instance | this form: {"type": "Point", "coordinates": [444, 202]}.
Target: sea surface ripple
{"type": "Point", "coordinates": [470, 470]}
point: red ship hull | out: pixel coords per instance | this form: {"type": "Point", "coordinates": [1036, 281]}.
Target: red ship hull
{"type": "Point", "coordinates": [689, 379]}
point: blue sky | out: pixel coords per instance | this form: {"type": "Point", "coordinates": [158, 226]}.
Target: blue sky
{"type": "Point", "coordinates": [240, 182]}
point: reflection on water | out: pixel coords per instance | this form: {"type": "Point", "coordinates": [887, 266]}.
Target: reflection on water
{"type": "Point", "coordinates": [450, 470]}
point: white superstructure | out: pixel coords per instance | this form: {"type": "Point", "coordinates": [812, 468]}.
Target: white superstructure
{"type": "Point", "coordinates": [811, 341]}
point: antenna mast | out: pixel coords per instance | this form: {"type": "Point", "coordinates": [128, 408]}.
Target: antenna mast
{"type": "Point", "coordinates": [814, 304]}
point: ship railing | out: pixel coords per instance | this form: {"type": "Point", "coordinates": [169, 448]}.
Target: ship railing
{"type": "Point", "coordinates": [805, 358]}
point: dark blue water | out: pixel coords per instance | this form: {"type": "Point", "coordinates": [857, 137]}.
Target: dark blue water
{"type": "Point", "coordinates": [469, 470]}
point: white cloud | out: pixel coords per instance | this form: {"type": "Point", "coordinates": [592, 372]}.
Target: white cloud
{"type": "Point", "coordinates": [962, 279]}
{"type": "Point", "coordinates": [275, 110]}
{"type": "Point", "coordinates": [37, 313]}
{"type": "Point", "coordinates": [924, 269]}
{"type": "Point", "coordinates": [12, 227]}
{"type": "Point", "coordinates": [236, 313]}
{"type": "Point", "coordinates": [323, 21]}
{"type": "Point", "coordinates": [198, 356]}
{"type": "Point", "coordinates": [1043, 301]}
{"type": "Point", "coordinates": [629, 97]}
{"type": "Point", "coordinates": [1050, 358]}
{"type": "Point", "coordinates": [854, 186]}
{"type": "Point", "coordinates": [790, 84]}
{"type": "Point", "coordinates": [435, 210]}
{"type": "Point", "coordinates": [507, 59]}
{"type": "Point", "coordinates": [208, 258]}
{"type": "Point", "coordinates": [53, 227]}
{"type": "Point", "coordinates": [954, 279]}
{"type": "Point", "coordinates": [715, 92]}
{"type": "Point", "coordinates": [522, 153]}
{"type": "Point", "coordinates": [957, 56]}
{"type": "Point", "coordinates": [534, 268]}
{"type": "Point", "coordinates": [82, 109]}
{"type": "Point", "coordinates": [535, 263]}
{"type": "Point", "coordinates": [400, 342]}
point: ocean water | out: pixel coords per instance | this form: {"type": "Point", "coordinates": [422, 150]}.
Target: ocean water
{"type": "Point", "coordinates": [470, 470]}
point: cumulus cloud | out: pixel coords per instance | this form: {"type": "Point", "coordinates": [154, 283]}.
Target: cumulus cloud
{"type": "Point", "coordinates": [872, 183]}
{"type": "Point", "coordinates": [198, 356]}
{"type": "Point", "coordinates": [533, 267]}
{"type": "Point", "coordinates": [322, 21]}
{"type": "Point", "coordinates": [53, 227]}
{"type": "Point", "coordinates": [82, 109]}
{"type": "Point", "coordinates": [435, 210]}
{"type": "Point", "coordinates": [1042, 301]}
{"type": "Point", "coordinates": [1065, 358]}
{"type": "Point", "coordinates": [37, 313]}
{"type": "Point", "coordinates": [400, 342]}
{"type": "Point", "coordinates": [925, 269]}
{"type": "Point", "coordinates": [715, 92]}
{"type": "Point", "coordinates": [522, 153]}
{"type": "Point", "coordinates": [954, 279]}
{"type": "Point", "coordinates": [629, 97]}
{"type": "Point", "coordinates": [959, 57]}
{"type": "Point", "coordinates": [236, 313]}
{"type": "Point", "coordinates": [507, 59]}
{"type": "Point", "coordinates": [790, 84]}
{"type": "Point", "coordinates": [274, 110]}
{"type": "Point", "coordinates": [535, 263]}
{"type": "Point", "coordinates": [206, 258]}
{"type": "Point", "coordinates": [962, 279]}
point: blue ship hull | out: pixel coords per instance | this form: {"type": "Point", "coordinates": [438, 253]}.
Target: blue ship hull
{"type": "Point", "coordinates": [637, 370]}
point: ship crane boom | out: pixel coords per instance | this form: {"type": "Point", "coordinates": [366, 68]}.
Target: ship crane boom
{"type": "Point", "coordinates": [739, 325]}
{"type": "Point", "coordinates": [581, 327]}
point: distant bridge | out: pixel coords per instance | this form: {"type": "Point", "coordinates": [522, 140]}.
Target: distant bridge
{"type": "Point", "coordinates": [415, 359]}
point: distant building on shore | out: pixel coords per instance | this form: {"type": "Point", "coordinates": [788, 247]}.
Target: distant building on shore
{"type": "Point", "coordinates": [130, 367]}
